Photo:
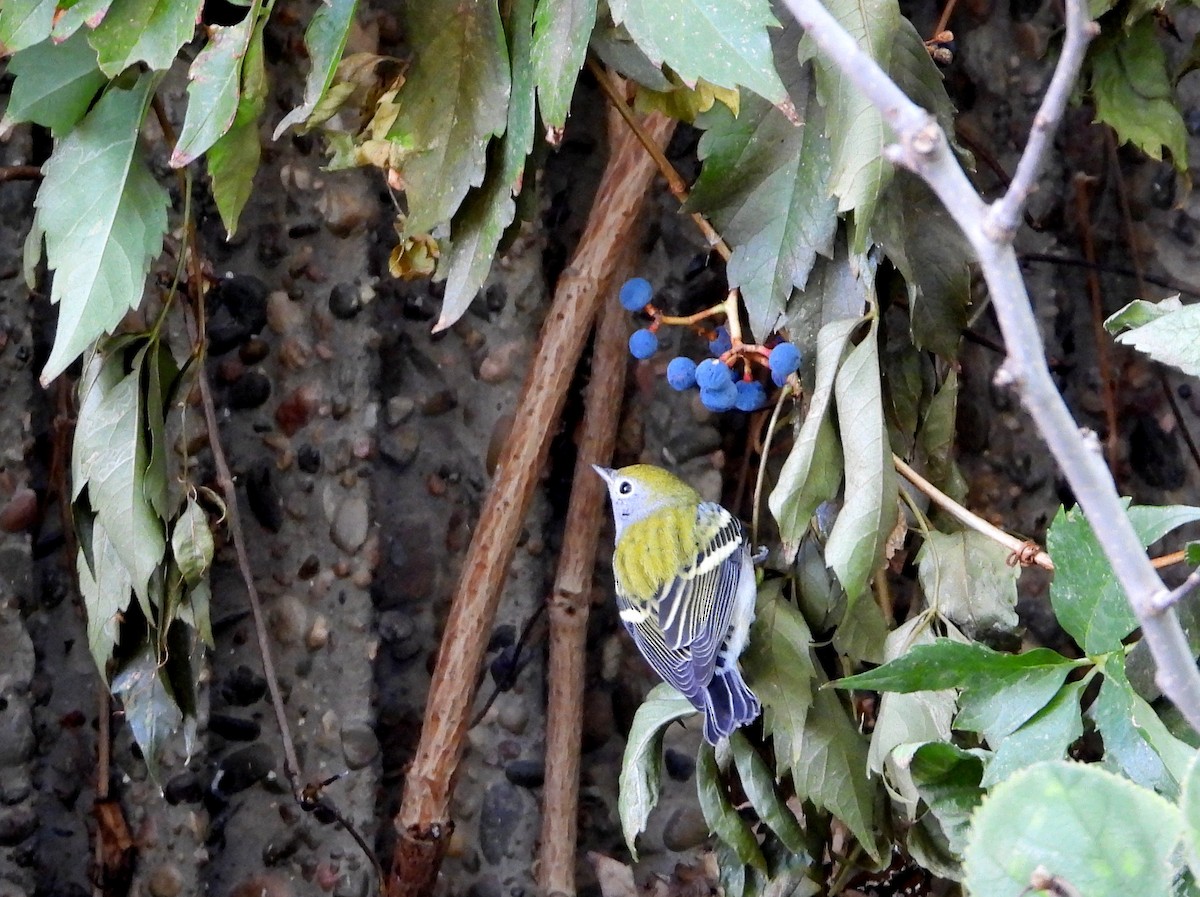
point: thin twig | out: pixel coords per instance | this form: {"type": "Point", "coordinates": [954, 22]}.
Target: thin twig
{"type": "Point", "coordinates": [1108, 387]}
{"type": "Point", "coordinates": [924, 149]}
{"type": "Point", "coordinates": [233, 518]}
{"type": "Point", "coordinates": [570, 603]}
{"type": "Point", "coordinates": [423, 823]}
{"type": "Point", "coordinates": [675, 182]}
{"type": "Point", "coordinates": [1004, 216]}
{"type": "Point", "coordinates": [1181, 591]}
{"type": "Point", "coordinates": [20, 173]}
{"type": "Point", "coordinates": [1167, 283]}
{"type": "Point", "coordinates": [1020, 548]}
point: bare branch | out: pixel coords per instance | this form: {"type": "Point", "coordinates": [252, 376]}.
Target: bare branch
{"type": "Point", "coordinates": [1005, 215]}
{"type": "Point", "coordinates": [923, 148]}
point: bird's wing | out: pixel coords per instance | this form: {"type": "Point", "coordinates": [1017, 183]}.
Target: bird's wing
{"type": "Point", "coordinates": [695, 609]}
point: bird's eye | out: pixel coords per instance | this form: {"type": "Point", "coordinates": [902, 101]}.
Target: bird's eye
{"type": "Point", "coordinates": [625, 488]}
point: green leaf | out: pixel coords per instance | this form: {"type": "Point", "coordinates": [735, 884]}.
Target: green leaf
{"type": "Point", "coordinates": [838, 289]}
{"type": "Point", "coordinates": [560, 42]}
{"type": "Point", "coordinates": [233, 159]}
{"type": "Point", "coordinates": [325, 41]}
{"type": "Point", "coordinates": [24, 23]}
{"type": "Point", "coordinates": [861, 632]}
{"type": "Point", "coordinates": [1139, 312]}
{"type": "Point", "coordinates": [764, 185]}
{"type": "Point", "coordinates": [641, 767]}
{"type": "Point", "coordinates": [869, 511]}
{"type": "Point", "coordinates": [719, 813]}
{"type": "Point", "coordinates": [1136, 742]}
{"type": "Point", "coordinates": [107, 589]}
{"type": "Point", "coordinates": [192, 543]}
{"type": "Point", "coordinates": [214, 88]}
{"type": "Point", "coordinates": [1103, 835]}
{"type": "Point", "coordinates": [779, 668]}
{"type": "Point", "coordinates": [1134, 94]}
{"type": "Point", "coordinates": [914, 717]}
{"type": "Point", "coordinates": [831, 769]}
{"type": "Point", "coordinates": [1189, 806]}
{"type": "Point", "coordinates": [928, 248]}
{"type": "Point", "coordinates": [617, 50]}
{"type": "Point", "coordinates": [813, 469]}
{"type": "Point", "coordinates": [109, 460]}
{"type": "Point", "coordinates": [1168, 331]}
{"type": "Point", "coordinates": [722, 41]}
{"type": "Point", "coordinates": [160, 376]}
{"type": "Point", "coordinates": [937, 438]}
{"type": "Point", "coordinates": [55, 84]}
{"type": "Point", "coordinates": [1046, 736]}
{"type": "Point", "coordinates": [103, 216]}
{"type": "Point", "coordinates": [479, 224]}
{"type": "Point", "coordinates": [1087, 598]}
{"type": "Point", "coordinates": [150, 708]}
{"type": "Point", "coordinates": [999, 691]}
{"type": "Point", "coordinates": [857, 131]}
{"type": "Point", "coordinates": [947, 778]}
{"type": "Point", "coordinates": [69, 17]}
{"type": "Point", "coordinates": [455, 99]}
{"type": "Point", "coordinates": [150, 31]}
{"type": "Point", "coordinates": [967, 577]}
{"type": "Point", "coordinates": [759, 786]}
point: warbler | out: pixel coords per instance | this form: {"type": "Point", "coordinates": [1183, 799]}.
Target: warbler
{"type": "Point", "coordinates": [685, 590]}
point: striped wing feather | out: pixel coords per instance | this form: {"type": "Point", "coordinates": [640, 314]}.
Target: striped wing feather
{"type": "Point", "coordinates": [681, 633]}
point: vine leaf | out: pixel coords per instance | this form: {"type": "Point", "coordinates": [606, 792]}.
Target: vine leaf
{"type": "Point", "coordinates": [150, 31]}
{"type": "Point", "coordinates": [149, 704]}
{"type": "Point", "coordinates": [55, 84]}
{"type": "Point", "coordinates": [857, 132]}
{"type": "Point", "coordinates": [723, 820]}
{"type": "Point", "coordinates": [1136, 741]}
{"type": "Point", "coordinates": [454, 101]}
{"type": "Point", "coordinates": [479, 224]}
{"type": "Point", "coordinates": [103, 216]}
{"type": "Point", "coordinates": [759, 785]}
{"type": "Point", "coordinates": [641, 767]}
{"type": "Point", "coordinates": [779, 668]}
{"type": "Point", "coordinates": [813, 468]}
{"type": "Point", "coordinates": [233, 159]}
{"type": "Point", "coordinates": [831, 769]}
{"type": "Point", "coordinates": [1047, 816]}
{"type": "Point", "coordinates": [1087, 598]}
{"type": "Point", "coordinates": [324, 39]}
{"type": "Point", "coordinates": [110, 460]}
{"type": "Point", "coordinates": [1000, 692]}
{"type": "Point", "coordinates": [868, 513]}
{"type": "Point", "coordinates": [1135, 95]}
{"type": "Point", "coordinates": [214, 89]}
{"type": "Point", "coordinates": [559, 47]}
{"type": "Point", "coordinates": [968, 578]}
{"type": "Point", "coordinates": [1167, 331]}
{"type": "Point", "coordinates": [722, 41]}
{"type": "Point", "coordinates": [105, 586]}
{"type": "Point", "coordinates": [764, 184]}
{"type": "Point", "coordinates": [1045, 736]}
{"type": "Point", "coordinates": [24, 23]}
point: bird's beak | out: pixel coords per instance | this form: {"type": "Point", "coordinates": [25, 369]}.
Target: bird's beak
{"type": "Point", "coordinates": [606, 473]}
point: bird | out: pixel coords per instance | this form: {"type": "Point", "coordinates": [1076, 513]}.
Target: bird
{"type": "Point", "coordinates": [685, 590]}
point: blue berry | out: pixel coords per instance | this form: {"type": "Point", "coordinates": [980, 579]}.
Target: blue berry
{"type": "Point", "coordinates": [636, 293]}
{"type": "Point", "coordinates": [643, 344]}
{"type": "Point", "coordinates": [721, 343]}
{"type": "Point", "coordinates": [681, 373]}
{"type": "Point", "coordinates": [719, 398]}
{"type": "Point", "coordinates": [711, 374]}
{"type": "Point", "coordinates": [784, 360]}
{"type": "Point", "coordinates": [750, 396]}
{"type": "Point", "coordinates": [779, 379]}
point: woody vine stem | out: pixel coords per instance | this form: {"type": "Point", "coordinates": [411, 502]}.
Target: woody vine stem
{"type": "Point", "coordinates": [922, 148]}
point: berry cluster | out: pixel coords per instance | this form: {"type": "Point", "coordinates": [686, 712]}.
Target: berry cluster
{"type": "Point", "coordinates": [722, 388]}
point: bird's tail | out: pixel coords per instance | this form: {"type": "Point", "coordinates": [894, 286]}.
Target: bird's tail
{"type": "Point", "coordinates": [728, 704]}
